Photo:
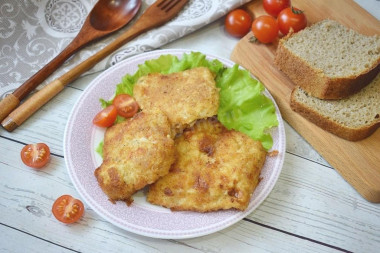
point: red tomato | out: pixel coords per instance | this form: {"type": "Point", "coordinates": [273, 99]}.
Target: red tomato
{"type": "Point", "coordinates": [126, 105]}
{"type": "Point", "coordinates": [238, 22]}
{"type": "Point", "coordinates": [67, 209]}
{"type": "Point", "coordinates": [274, 7]}
{"type": "Point", "coordinates": [265, 28]}
{"type": "Point", "coordinates": [35, 155]}
{"type": "Point", "coordinates": [291, 18]}
{"type": "Point", "coordinates": [106, 117]}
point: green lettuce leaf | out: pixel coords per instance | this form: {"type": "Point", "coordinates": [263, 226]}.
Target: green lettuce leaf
{"type": "Point", "coordinates": [99, 148]}
{"type": "Point", "coordinates": [167, 64]}
{"type": "Point", "coordinates": [242, 107]}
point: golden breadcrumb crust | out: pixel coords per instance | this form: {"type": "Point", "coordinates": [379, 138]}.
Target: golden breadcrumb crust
{"type": "Point", "coordinates": [184, 96]}
{"type": "Point", "coordinates": [215, 169]}
{"type": "Point", "coordinates": [136, 153]}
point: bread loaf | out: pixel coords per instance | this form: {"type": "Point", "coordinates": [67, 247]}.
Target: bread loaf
{"type": "Point", "coordinates": [352, 118]}
{"type": "Point", "coordinates": [328, 60]}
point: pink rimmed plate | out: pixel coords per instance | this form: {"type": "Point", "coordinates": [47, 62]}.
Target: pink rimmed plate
{"type": "Point", "coordinates": [82, 137]}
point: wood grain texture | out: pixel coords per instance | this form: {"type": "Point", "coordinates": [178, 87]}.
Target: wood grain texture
{"type": "Point", "coordinates": [309, 202]}
{"type": "Point", "coordinates": [311, 208]}
{"type": "Point", "coordinates": [17, 117]}
{"type": "Point", "coordinates": [156, 15]}
{"type": "Point", "coordinates": [97, 25]}
{"type": "Point", "coordinates": [296, 213]}
{"type": "Point", "coordinates": [358, 162]}
{"type": "Point", "coordinates": [7, 105]}
{"type": "Point", "coordinates": [17, 241]}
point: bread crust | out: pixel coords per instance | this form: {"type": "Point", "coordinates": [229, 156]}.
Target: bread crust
{"type": "Point", "coordinates": [314, 81]}
{"type": "Point", "coordinates": [350, 134]}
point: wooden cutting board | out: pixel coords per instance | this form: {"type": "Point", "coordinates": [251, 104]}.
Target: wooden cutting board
{"type": "Point", "coordinates": [358, 162]}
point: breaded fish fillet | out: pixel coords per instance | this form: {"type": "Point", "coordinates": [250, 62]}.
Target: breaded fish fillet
{"type": "Point", "coordinates": [136, 153]}
{"type": "Point", "coordinates": [184, 96]}
{"type": "Point", "coordinates": [215, 169]}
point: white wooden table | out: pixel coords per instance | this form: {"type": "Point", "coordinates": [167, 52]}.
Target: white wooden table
{"type": "Point", "coordinates": [311, 208]}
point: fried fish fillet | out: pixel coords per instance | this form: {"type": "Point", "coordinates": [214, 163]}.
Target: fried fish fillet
{"type": "Point", "coordinates": [136, 153]}
{"type": "Point", "coordinates": [184, 96]}
{"type": "Point", "coordinates": [215, 169]}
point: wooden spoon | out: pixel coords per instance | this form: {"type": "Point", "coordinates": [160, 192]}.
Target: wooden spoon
{"type": "Point", "coordinates": [160, 12]}
{"type": "Point", "coordinates": [105, 17]}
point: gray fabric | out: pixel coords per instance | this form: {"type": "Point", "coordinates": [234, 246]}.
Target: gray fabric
{"type": "Point", "coordinates": [32, 32]}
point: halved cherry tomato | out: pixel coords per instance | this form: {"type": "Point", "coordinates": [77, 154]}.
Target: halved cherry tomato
{"type": "Point", "coordinates": [291, 18]}
{"type": "Point", "coordinates": [67, 209]}
{"type": "Point", "coordinates": [35, 155]}
{"type": "Point", "coordinates": [238, 23]}
{"type": "Point", "coordinates": [265, 28]}
{"type": "Point", "coordinates": [106, 117]}
{"type": "Point", "coordinates": [126, 105]}
{"type": "Point", "coordinates": [274, 7]}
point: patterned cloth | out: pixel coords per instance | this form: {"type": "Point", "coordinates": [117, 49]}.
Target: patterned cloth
{"type": "Point", "coordinates": [32, 32]}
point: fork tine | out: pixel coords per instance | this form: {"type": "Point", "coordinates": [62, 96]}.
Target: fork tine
{"type": "Point", "coordinates": [167, 5]}
{"type": "Point", "coordinates": [160, 12]}
{"type": "Point", "coordinates": [161, 3]}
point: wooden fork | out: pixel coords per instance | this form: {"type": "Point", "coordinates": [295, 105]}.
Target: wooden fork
{"type": "Point", "coordinates": [157, 14]}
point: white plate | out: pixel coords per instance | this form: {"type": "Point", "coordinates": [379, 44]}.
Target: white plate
{"type": "Point", "coordinates": [81, 139]}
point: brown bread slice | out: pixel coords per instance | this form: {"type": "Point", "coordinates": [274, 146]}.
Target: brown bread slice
{"type": "Point", "coordinates": [328, 60]}
{"type": "Point", "coordinates": [352, 118]}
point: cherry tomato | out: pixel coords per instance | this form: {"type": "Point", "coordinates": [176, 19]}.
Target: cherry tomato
{"type": "Point", "coordinates": [126, 105]}
{"type": "Point", "coordinates": [291, 18]}
{"type": "Point", "coordinates": [274, 7]}
{"type": "Point", "coordinates": [67, 209]}
{"type": "Point", "coordinates": [106, 117]}
{"type": "Point", "coordinates": [238, 22]}
{"type": "Point", "coordinates": [35, 155]}
{"type": "Point", "coordinates": [265, 28]}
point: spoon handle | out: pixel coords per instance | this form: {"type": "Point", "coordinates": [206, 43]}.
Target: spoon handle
{"type": "Point", "coordinates": [10, 102]}
{"type": "Point", "coordinates": [157, 14]}
{"type": "Point", "coordinates": [25, 110]}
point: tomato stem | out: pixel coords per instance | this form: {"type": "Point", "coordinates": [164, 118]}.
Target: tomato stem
{"type": "Point", "coordinates": [253, 39]}
{"type": "Point", "coordinates": [296, 11]}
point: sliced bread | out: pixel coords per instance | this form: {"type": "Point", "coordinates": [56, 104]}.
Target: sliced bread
{"type": "Point", "coordinates": [328, 60]}
{"type": "Point", "coordinates": [352, 118]}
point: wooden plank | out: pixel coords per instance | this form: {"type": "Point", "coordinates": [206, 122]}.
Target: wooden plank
{"type": "Point", "coordinates": [299, 208]}
{"type": "Point", "coordinates": [48, 124]}
{"type": "Point", "coordinates": [27, 196]}
{"type": "Point", "coordinates": [358, 162]}
{"type": "Point", "coordinates": [13, 240]}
